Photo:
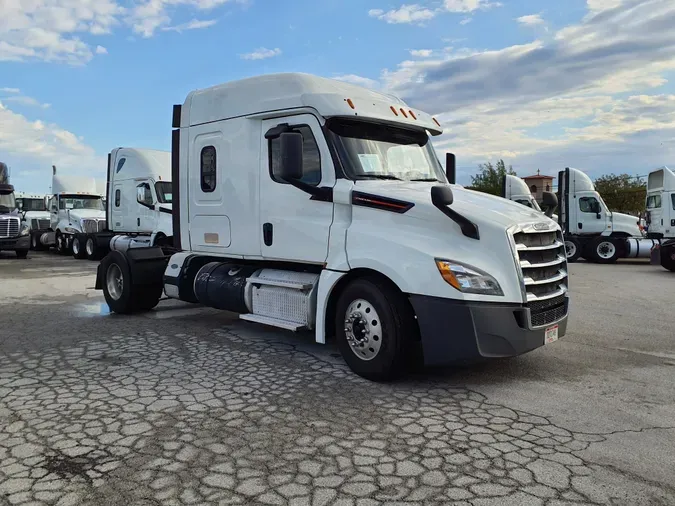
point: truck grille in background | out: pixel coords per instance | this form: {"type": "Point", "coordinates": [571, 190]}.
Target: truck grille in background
{"type": "Point", "coordinates": [39, 224]}
{"type": "Point", "coordinates": [9, 227]}
{"type": "Point", "coordinates": [93, 226]}
{"type": "Point", "coordinates": [543, 262]}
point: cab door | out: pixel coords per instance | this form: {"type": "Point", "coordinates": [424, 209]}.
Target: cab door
{"type": "Point", "coordinates": [591, 216]}
{"type": "Point", "coordinates": [118, 223]}
{"type": "Point", "coordinates": [145, 198]}
{"type": "Point", "coordinates": [293, 226]}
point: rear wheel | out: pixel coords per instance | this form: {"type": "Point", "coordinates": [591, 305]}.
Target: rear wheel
{"type": "Point", "coordinates": [668, 257]}
{"type": "Point", "coordinates": [373, 321]}
{"type": "Point", "coordinates": [78, 249]}
{"type": "Point", "coordinates": [604, 250]}
{"type": "Point", "coordinates": [120, 294]}
{"type": "Point", "coordinates": [572, 249]}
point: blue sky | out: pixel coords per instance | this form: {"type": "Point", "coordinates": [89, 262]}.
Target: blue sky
{"type": "Point", "coordinates": [542, 84]}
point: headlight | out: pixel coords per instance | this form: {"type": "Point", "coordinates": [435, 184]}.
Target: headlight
{"type": "Point", "coordinates": [468, 279]}
{"type": "Point", "coordinates": [24, 230]}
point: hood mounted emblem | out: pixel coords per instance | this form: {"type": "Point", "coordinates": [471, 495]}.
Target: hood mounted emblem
{"type": "Point", "coordinates": [541, 226]}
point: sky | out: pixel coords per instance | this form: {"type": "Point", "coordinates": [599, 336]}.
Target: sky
{"type": "Point", "coordinates": [542, 84]}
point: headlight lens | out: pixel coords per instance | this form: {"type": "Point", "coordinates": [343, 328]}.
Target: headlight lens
{"type": "Point", "coordinates": [468, 279]}
{"type": "Point", "coordinates": [24, 230]}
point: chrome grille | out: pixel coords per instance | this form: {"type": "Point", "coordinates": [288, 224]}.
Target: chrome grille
{"type": "Point", "coordinates": [39, 224]}
{"type": "Point", "coordinates": [9, 227]}
{"type": "Point", "coordinates": [543, 263]}
{"type": "Point", "coordinates": [90, 226]}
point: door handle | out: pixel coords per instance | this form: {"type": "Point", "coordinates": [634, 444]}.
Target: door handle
{"type": "Point", "coordinates": [268, 234]}
{"type": "Point", "coordinates": [138, 221]}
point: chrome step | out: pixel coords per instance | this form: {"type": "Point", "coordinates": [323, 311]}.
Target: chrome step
{"type": "Point", "coordinates": [273, 322]}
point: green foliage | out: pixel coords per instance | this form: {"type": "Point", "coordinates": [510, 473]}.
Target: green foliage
{"type": "Point", "coordinates": [622, 193]}
{"type": "Point", "coordinates": [489, 179]}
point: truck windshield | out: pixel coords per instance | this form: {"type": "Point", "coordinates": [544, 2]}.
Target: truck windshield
{"type": "Point", "coordinates": [373, 151]}
{"type": "Point", "coordinates": [163, 190]}
{"type": "Point", "coordinates": [81, 202]}
{"type": "Point", "coordinates": [30, 204]}
{"type": "Point", "coordinates": [7, 202]}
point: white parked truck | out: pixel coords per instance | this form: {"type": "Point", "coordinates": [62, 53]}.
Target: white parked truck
{"type": "Point", "coordinates": [35, 215]}
{"type": "Point", "coordinates": [307, 203]}
{"type": "Point", "coordinates": [660, 216]}
{"type": "Point", "coordinates": [13, 234]}
{"type": "Point", "coordinates": [590, 229]}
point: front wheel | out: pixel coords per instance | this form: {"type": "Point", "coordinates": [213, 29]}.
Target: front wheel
{"type": "Point", "coordinates": [78, 249]}
{"type": "Point", "coordinates": [61, 244]}
{"type": "Point", "coordinates": [21, 253]}
{"type": "Point", "coordinates": [572, 249]}
{"type": "Point", "coordinates": [604, 250]}
{"type": "Point", "coordinates": [373, 321]}
{"type": "Point", "coordinates": [668, 257]}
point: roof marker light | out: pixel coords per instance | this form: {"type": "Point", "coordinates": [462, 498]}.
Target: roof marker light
{"type": "Point", "coordinates": [436, 121]}
{"type": "Point", "coordinates": [413, 115]}
{"type": "Point", "coordinates": [351, 104]}
{"type": "Point", "coordinates": [393, 109]}
{"type": "Point", "coordinates": [403, 112]}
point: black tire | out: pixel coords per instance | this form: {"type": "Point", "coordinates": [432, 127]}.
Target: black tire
{"type": "Point", "coordinates": [61, 244]}
{"type": "Point", "coordinates": [92, 251]}
{"type": "Point", "coordinates": [604, 250]}
{"type": "Point", "coordinates": [34, 241]}
{"type": "Point", "coordinates": [78, 249]}
{"type": "Point", "coordinates": [667, 255]}
{"type": "Point", "coordinates": [21, 253]}
{"type": "Point", "coordinates": [396, 324]}
{"type": "Point", "coordinates": [129, 299]}
{"type": "Point", "coordinates": [573, 249]}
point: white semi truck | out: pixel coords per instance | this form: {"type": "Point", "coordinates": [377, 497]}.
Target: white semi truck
{"type": "Point", "coordinates": [590, 229]}
{"type": "Point", "coordinates": [13, 234]}
{"type": "Point", "coordinates": [35, 215]}
{"type": "Point", "coordinates": [660, 216]}
{"type": "Point", "coordinates": [307, 203]}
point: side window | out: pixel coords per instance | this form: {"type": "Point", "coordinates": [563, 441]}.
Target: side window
{"type": "Point", "coordinates": [144, 195]}
{"type": "Point", "coordinates": [207, 169]}
{"type": "Point", "coordinates": [672, 197]}
{"type": "Point", "coordinates": [653, 201]}
{"type": "Point", "coordinates": [586, 204]}
{"type": "Point", "coordinates": [311, 159]}
{"type": "Point", "coordinates": [117, 198]}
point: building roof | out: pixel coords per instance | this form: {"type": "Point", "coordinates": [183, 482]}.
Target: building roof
{"type": "Point", "coordinates": [538, 176]}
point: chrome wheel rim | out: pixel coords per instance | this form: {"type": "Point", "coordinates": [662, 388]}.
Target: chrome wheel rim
{"type": "Point", "coordinates": [114, 281]}
{"type": "Point", "coordinates": [363, 329]}
{"type": "Point", "coordinates": [76, 246]}
{"type": "Point", "coordinates": [90, 247]}
{"type": "Point", "coordinates": [570, 249]}
{"type": "Point", "coordinates": [606, 250]}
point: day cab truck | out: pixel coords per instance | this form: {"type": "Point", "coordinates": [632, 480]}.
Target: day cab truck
{"type": "Point", "coordinates": [34, 215]}
{"type": "Point", "coordinates": [301, 202]}
{"type": "Point", "coordinates": [660, 216]}
{"type": "Point", "coordinates": [13, 234]}
{"type": "Point", "coordinates": [590, 229]}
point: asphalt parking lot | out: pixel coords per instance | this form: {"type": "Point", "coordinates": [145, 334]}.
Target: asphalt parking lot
{"type": "Point", "coordinates": [186, 405]}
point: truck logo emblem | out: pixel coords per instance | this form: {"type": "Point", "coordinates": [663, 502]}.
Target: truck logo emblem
{"type": "Point", "coordinates": [541, 226]}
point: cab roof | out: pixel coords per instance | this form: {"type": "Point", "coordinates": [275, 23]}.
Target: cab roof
{"type": "Point", "coordinates": [263, 95]}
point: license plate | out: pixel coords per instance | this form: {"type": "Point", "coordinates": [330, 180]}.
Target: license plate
{"type": "Point", "coordinates": [551, 335]}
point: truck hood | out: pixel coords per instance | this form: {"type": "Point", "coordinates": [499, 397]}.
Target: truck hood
{"type": "Point", "coordinates": [626, 223]}
{"type": "Point", "coordinates": [92, 214]}
{"type": "Point", "coordinates": [477, 206]}
{"type": "Point", "coordinates": [37, 215]}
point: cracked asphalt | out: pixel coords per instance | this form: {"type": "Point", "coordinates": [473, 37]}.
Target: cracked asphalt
{"type": "Point", "coordinates": [187, 405]}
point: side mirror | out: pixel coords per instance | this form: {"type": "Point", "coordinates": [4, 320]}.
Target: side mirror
{"type": "Point", "coordinates": [450, 167]}
{"type": "Point", "coordinates": [549, 203]}
{"type": "Point", "coordinates": [441, 196]}
{"type": "Point", "coordinates": [291, 156]}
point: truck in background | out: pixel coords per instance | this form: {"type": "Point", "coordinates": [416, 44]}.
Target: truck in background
{"type": "Point", "coordinates": [660, 215]}
{"type": "Point", "coordinates": [590, 229]}
{"type": "Point", "coordinates": [35, 215]}
{"type": "Point", "coordinates": [13, 234]}
{"type": "Point", "coordinates": [308, 203]}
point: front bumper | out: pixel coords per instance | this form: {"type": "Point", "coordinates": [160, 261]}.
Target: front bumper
{"type": "Point", "coordinates": [15, 243]}
{"type": "Point", "coordinates": [455, 331]}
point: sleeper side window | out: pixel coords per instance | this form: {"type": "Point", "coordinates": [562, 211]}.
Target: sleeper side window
{"type": "Point", "coordinates": [118, 197]}
{"type": "Point", "coordinates": [311, 159]}
{"type": "Point", "coordinates": [207, 169]}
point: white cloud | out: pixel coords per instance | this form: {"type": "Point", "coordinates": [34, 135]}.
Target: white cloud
{"type": "Point", "coordinates": [101, 50]}
{"type": "Point", "coordinates": [194, 24]}
{"type": "Point", "coordinates": [468, 5]}
{"type": "Point", "coordinates": [25, 100]}
{"type": "Point", "coordinates": [465, 21]}
{"type": "Point", "coordinates": [421, 53]}
{"type": "Point", "coordinates": [412, 13]}
{"type": "Point", "coordinates": [261, 53]}
{"type": "Point", "coordinates": [530, 20]}
{"type": "Point", "coordinates": [10, 90]}
{"type": "Point", "coordinates": [359, 80]}
{"type": "Point", "coordinates": [38, 144]}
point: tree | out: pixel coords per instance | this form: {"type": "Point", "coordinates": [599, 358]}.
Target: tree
{"type": "Point", "coordinates": [623, 193]}
{"type": "Point", "coordinates": [489, 179]}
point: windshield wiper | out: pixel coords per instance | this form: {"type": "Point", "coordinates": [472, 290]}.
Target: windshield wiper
{"type": "Point", "coordinates": [427, 179]}
{"type": "Point", "coordinates": [380, 176]}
